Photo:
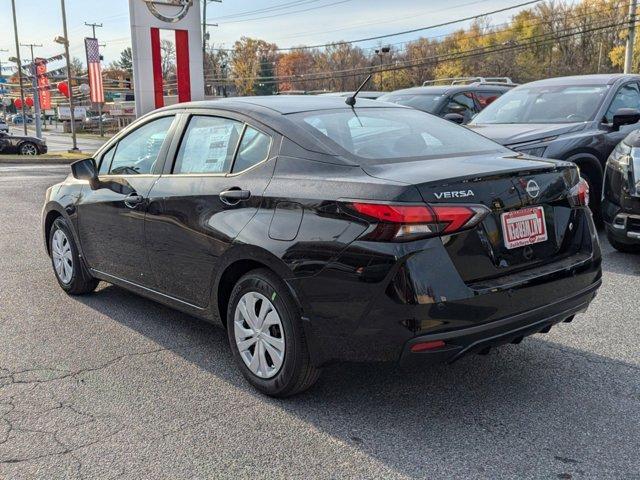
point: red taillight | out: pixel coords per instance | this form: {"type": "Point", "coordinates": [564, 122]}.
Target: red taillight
{"type": "Point", "coordinates": [395, 213]}
{"type": "Point", "coordinates": [579, 194]}
{"type": "Point", "coordinates": [399, 222]}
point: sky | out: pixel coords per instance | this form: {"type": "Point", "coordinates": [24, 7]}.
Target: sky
{"type": "Point", "coordinates": [284, 22]}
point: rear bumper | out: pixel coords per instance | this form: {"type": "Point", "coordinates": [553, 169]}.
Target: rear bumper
{"type": "Point", "coordinates": [373, 305]}
{"type": "Point", "coordinates": [513, 329]}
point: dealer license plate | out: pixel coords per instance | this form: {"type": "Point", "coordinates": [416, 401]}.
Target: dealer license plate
{"type": "Point", "coordinates": [524, 227]}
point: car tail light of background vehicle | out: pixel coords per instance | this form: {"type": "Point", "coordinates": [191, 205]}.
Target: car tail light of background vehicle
{"type": "Point", "coordinates": [402, 222]}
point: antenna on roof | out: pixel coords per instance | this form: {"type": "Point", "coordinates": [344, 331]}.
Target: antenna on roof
{"type": "Point", "coordinates": [351, 100]}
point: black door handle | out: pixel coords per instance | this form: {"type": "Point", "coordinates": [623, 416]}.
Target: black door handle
{"type": "Point", "coordinates": [233, 196]}
{"type": "Point", "coordinates": [133, 200]}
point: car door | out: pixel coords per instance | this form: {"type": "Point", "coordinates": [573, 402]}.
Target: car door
{"type": "Point", "coordinates": [111, 218]}
{"type": "Point", "coordinates": [211, 190]}
{"type": "Point", "coordinates": [627, 96]}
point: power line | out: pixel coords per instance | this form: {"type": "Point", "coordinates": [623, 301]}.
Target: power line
{"type": "Point", "coordinates": [288, 13]}
{"type": "Point", "coordinates": [435, 59]}
{"type": "Point", "coordinates": [414, 30]}
{"type": "Point", "coordinates": [272, 8]}
{"type": "Point", "coordinates": [497, 32]}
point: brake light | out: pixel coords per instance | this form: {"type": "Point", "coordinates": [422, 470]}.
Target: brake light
{"type": "Point", "coordinates": [398, 222]}
{"type": "Point", "coordinates": [579, 194]}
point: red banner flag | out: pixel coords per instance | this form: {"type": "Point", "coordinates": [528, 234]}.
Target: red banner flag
{"type": "Point", "coordinates": [95, 70]}
{"type": "Point", "coordinates": [43, 84]}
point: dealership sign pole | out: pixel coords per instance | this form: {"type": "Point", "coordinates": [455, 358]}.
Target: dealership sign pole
{"type": "Point", "coordinates": [148, 18]}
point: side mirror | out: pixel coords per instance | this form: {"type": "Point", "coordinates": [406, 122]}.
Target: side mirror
{"type": "Point", "coordinates": [455, 118]}
{"type": "Point", "coordinates": [625, 116]}
{"type": "Point", "coordinates": [86, 170]}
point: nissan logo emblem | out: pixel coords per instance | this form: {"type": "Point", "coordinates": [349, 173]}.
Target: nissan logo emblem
{"type": "Point", "coordinates": [533, 190]}
{"type": "Point", "coordinates": [181, 9]}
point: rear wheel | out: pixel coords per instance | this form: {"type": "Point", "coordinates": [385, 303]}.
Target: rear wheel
{"type": "Point", "coordinates": [69, 272]}
{"type": "Point", "coordinates": [266, 336]}
{"type": "Point", "coordinates": [622, 247]}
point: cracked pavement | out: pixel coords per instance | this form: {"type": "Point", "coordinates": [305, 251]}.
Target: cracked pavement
{"type": "Point", "coordinates": [111, 385]}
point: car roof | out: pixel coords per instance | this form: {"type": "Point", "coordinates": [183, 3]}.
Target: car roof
{"type": "Point", "coordinates": [596, 79]}
{"type": "Point", "coordinates": [282, 104]}
{"type": "Point", "coordinates": [452, 89]}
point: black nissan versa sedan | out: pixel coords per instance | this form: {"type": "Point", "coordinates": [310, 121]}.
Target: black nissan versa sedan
{"type": "Point", "coordinates": [579, 119]}
{"type": "Point", "coordinates": [318, 232]}
{"type": "Point", "coordinates": [621, 195]}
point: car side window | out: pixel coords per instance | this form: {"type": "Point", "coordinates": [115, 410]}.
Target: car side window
{"type": "Point", "coordinates": [253, 149]}
{"type": "Point", "coordinates": [209, 145]}
{"type": "Point", "coordinates": [461, 103]}
{"type": "Point", "coordinates": [627, 96]}
{"type": "Point", "coordinates": [137, 153]}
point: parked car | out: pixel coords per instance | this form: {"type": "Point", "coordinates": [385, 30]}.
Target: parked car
{"type": "Point", "coordinates": [458, 99]}
{"type": "Point", "coordinates": [3, 126]}
{"type": "Point", "coordinates": [580, 119]}
{"type": "Point", "coordinates": [22, 144]}
{"type": "Point", "coordinates": [17, 119]}
{"type": "Point", "coordinates": [318, 232]}
{"type": "Point", "coordinates": [621, 195]}
{"type": "Point", "coordinates": [94, 122]}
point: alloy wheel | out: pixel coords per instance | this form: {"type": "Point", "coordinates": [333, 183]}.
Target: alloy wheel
{"type": "Point", "coordinates": [259, 335]}
{"type": "Point", "coordinates": [28, 149]}
{"type": "Point", "coordinates": [62, 256]}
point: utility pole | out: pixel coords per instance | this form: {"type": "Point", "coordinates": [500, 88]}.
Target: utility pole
{"type": "Point", "coordinates": [205, 34]}
{"type": "Point", "coordinates": [36, 93]}
{"type": "Point", "coordinates": [69, 75]}
{"type": "Point", "coordinates": [101, 126]}
{"type": "Point", "coordinates": [631, 37]}
{"type": "Point", "coordinates": [19, 62]}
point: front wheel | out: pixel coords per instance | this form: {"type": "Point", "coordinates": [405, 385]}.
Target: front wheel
{"type": "Point", "coordinates": [66, 262]}
{"type": "Point", "coordinates": [266, 336]}
{"type": "Point", "coordinates": [28, 148]}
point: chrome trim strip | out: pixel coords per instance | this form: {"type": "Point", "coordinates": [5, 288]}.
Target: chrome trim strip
{"type": "Point", "coordinates": [118, 279]}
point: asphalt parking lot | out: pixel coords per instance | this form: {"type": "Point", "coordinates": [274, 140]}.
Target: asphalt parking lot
{"type": "Point", "coordinates": [112, 385]}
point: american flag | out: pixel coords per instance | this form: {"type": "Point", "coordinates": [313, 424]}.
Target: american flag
{"type": "Point", "coordinates": [95, 70]}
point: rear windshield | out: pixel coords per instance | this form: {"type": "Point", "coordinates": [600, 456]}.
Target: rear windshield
{"type": "Point", "coordinates": [385, 133]}
{"type": "Point", "coordinates": [545, 104]}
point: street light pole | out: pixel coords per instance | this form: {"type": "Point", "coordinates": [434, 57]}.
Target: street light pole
{"type": "Point", "coordinates": [36, 93]}
{"type": "Point", "coordinates": [631, 36]}
{"type": "Point", "coordinates": [100, 125]}
{"type": "Point", "coordinates": [66, 53]}
{"type": "Point", "coordinates": [19, 62]}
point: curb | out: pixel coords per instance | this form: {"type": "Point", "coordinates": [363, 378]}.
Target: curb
{"type": "Point", "coordinates": [36, 159]}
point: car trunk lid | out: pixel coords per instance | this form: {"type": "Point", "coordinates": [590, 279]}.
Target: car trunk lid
{"type": "Point", "coordinates": [531, 220]}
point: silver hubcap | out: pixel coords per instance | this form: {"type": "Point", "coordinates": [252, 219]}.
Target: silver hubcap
{"type": "Point", "coordinates": [259, 335]}
{"type": "Point", "coordinates": [62, 258]}
{"type": "Point", "coordinates": [28, 149]}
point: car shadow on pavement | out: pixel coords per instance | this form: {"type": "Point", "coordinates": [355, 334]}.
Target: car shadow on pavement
{"type": "Point", "coordinates": [536, 402]}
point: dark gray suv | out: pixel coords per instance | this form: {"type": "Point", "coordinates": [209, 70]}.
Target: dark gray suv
{"type": "Point", "coordinates": [580, 119]}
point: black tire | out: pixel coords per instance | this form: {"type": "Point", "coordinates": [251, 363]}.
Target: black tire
{"type": "Point", "coordinates": [622, 247]}
{"type": "Point", "coordinates": [80, 281]}
{"type": "Point", "coordinates": [29, 148]}
{"type": "Point", "coordinates": [296, 373]}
